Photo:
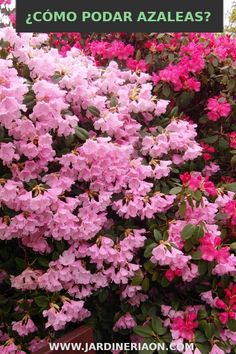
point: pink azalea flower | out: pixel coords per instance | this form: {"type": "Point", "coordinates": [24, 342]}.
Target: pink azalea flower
{"type": "Point", "coordinates": [24, 327]}
{"type": "Point", "coordinates": [218, 107]}
{"type": "Point", "coordinates": [125, 322]}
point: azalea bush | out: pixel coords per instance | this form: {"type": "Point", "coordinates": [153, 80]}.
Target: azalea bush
{"type": "Point", "coordinates": [117, 194]}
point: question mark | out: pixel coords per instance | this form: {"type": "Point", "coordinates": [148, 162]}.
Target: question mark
{"type": "Point", "coordinates": [208, 15]}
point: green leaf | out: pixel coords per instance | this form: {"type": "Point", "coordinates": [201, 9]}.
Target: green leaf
{"type": "Point", "coordinates": [175, 303]}
{"type": "Point", "coordinates": [56, 77]}
{"type": "Point", "coordinates": [138, 55]}
{"type": "Point", "coordinates": [223, 144]}
{"type": "Point", "coordinates": [204, 348]}
{"type": "Point", "coordinates": [171, 57]}
{"type": "Point", "coordinates": [187, 231]}
{"type": "Point", "coordinates": [94, 111]}
{"type": "Point", "coordinates": [203, 119]}
{"type": "Point", "coordinates": [202, 314]}
{"type": "Point", "coordinates": [230, 187]}
{"type": "Point", "coordinates": [29, 99]}
{"type": "Point", "coordinates": [145, 285]}
{"type": "Point", "coordinates": [143, 331]}
{"type": "Point", "coordinates": [231, 84]}
{"type": "Point", "coordinates": [157, 326]}
{"type": "Point", "coordinates": [55, 256]}
{"type": "Point", "coordinates": [197, 195]}
{"type": "Point", "coordinates": [60, 246]}
{"type": "Point", "coordinates": [166, 90]}
{"type": "Point", "coordinates": [200, 337]}
{"type": "Point", "coordinates": [233, 246]}
{"type": "Point", "coordinates": [137, 279]}
{"type": "Point", "coordinates": [202, 267]}
{"type": "Point", "coordinates": [210, 266]}
{"type": "Point", "coordinates": [209, 329]}
{"type": "Point", "coordinates": [190, 201]}
{"type": "Point", "coordinates": [67, 112]}
{"type": "Point", "coordinates": [164, 282]}
{"type": "Point", "coordinates": [69, 140]}
{"type": "Point", "coordinates": [149, 266]}
{"type": "Point", "coordinates": [196, 256]}
{"type": "Point", "coordinates": [103, 295]}
{"type": "Point", "coordinates": [157, 88]}
{"type": "Point", "coordinates": [233, 161]}
{"type": "Point", "coordinates": [43, 262]}
{"type": "Point", "coordinates": [167, 338]}
{"type": "Point", "coordinates": [30, 104]}
{"type": "Point", "coordinates": [149, 58]}
{"type": "Point", "coordinates": [174, 111]}
{"type": "Point", "coordinates": [175, 190]}
{"type": "Point", "coordinates": [154, 276]}
{"type": "Point", "coordinates": [188, 245]}
{"type": "Point", "coordinates": [149, 249]}
{"type": "Point", "coordinates": [2, 133]}
{"type": "Point", "coordinates": [21, 263]}
{"type": "Point", "coordinates": [81, 133]}
{"type": "Point", "coordinates": [113, 101]}
{"type": "Point", "coordinates": [198, 232]}
{"type": "Point", "coordinates": [157, 235]}
{"type": "Point", "coordinates": [41, 301]}
{"type": "Point", "coordinates": [211, 139]}
{"type": "Point", "coordinates": [221, 216]}
{"type": "Point", "coordinates": [182, 209]}
{"type": "Point", "coordinates": [232, 325]}
{"type": "Point", "coordinates": [185, 99]}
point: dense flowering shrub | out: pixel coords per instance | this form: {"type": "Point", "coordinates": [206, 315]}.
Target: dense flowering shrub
{"type": "Point", "coordinates": [118, 189]}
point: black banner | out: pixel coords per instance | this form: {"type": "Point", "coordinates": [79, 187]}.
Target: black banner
{"type": "Point", "coordinates": [119, 16]}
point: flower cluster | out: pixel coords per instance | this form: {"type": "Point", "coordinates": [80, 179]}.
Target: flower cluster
{"type": "Point", "coordinates": [218, 107]}
{"type": "Point", "coordinates": [71, 311]}
{"type": "Point", "coordinates": [182, 323]}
